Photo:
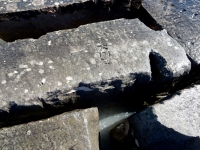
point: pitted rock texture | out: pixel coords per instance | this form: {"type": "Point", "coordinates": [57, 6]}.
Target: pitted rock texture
{"type": "Point", "coordinates": [18, 5]}
{"type": "Point", "coordinates": [78, 130]}
{"type": "Point", "coordinates": [105, 58]}
{"type": "Point", "coordinates": [33, 21]}
{"type": "Point", "coordinates": [181, 19]}
{"type": "Point", "coordinates": [172, 124]}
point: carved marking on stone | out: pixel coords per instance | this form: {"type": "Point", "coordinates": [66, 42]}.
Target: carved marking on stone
{"type": "Point", "coordinates": [104, 52]}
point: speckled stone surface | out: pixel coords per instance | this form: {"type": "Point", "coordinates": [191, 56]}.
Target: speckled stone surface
{"type": "Point", "coordinates": [77, 130]}
{"type": "Point", "coordinates": [181, 19]}
{"type": "Point", "coordinates": [172, 124]}
{"type": "Point", "coordinates": [7, 6]}
{"type": "Point", "coordinates": [107, 57]}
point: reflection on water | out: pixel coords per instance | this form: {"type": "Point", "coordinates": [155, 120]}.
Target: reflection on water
{"type": "Point", "coordinates": [110, 117]}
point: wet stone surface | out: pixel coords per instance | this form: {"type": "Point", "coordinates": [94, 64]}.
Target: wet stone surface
{"type": "Point", "coordinates": [181, 19]}
{"type": "Point", "coordinates": [77, 130]}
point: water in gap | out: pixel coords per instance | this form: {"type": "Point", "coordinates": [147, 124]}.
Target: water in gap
{"type": "Point", "coordinates": [109, 117]}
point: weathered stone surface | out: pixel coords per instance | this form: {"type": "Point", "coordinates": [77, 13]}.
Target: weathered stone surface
{"type": "Point", "coordinates": [173, 124]}
{"type": "Point", "coordinates": [105, 58]}
{"type": "Point", "coordinates": [181, 19]}
{"type": "Point", "coordinates": [32, 19]}
{"type": "Point", "coordinates": [78, 130]}
{"type": "Point", "coordinates": [18, 5]}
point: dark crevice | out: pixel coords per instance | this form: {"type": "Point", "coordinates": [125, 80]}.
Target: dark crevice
{"type": "Point", "coordinates": [58, 101]}
{"type": "Point", "coordinates": [154, 69]}
{"type": "Point", "coordinates": [35, 23]}
{"type": "Point", "coordinates": [146, 18]}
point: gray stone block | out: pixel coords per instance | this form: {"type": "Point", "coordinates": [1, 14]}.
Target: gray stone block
{"type": "Point", "coordinates": [18, 5]}
{"type": "Point", "coordinates": [181, 19]}
{"type": "Point", "coordinates": [32, 19]}
{"type": "Point", "coordinates": [78, 130]}
{"type": "Point", "coordinates": [105, 58]}
{"type": "Point", "coordinates": [2, 42]}
{"type": "Point", "coordinates": [171, 124]}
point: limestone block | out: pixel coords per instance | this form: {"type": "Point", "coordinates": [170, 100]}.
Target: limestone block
{"type": "Point", "coordinates": [171, 124]}
{"type": "Point", "coordinates": [94, 62]}
{"type": "Point", "coordinates": [181, 19]}
{"type": "Point", "coordinates": [78, 130]}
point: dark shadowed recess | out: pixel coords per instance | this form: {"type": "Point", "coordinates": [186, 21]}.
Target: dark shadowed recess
{"type": "Point", "coordinates": [166, 138]}
{"type": "Point", "coordinates": [57, 102]}
{"type": "Point", "coordinates": [35, 23]}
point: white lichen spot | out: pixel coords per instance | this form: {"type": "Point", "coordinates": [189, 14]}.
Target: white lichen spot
{"type": "Point", "coordinates": [43, 80]}
{"type": "Point", "coordinates": [98, 44]}
{"type": "Point", "coordinates": [10, 74]}
{"type": "Point", "coordinates": [29, 132]}
{"type": "Point", "coordinates": [40, 63]}
{"type": "Point", "coordinates": [15, 89]}
{"type": "Point", "coordinates": [28, 69]}
{"type": "Point", "coordinates": [49, 42]}
{"type": "Point", "coordinates": [51, 67]}
{"type": "Point", "coordinates": [59, 83]}
{"type": "Point", "coordinates": [69, 78]}
{"type": "Point", "coordinates": [100, 74]}
{"type": "Point", "coordinates": [41, 71]}
{"type": "Point", "coordinates": [88, 68]}
{"type": "Point", "coordinates": [26, 91]}
{"type": "Point", "coordinates": [23, 66]}
{"type": "Point", "coordinates": [169, 43]}
{"type": "Point", "coordinates": [56, 3]}
{"type": "Point", "coordinates": [3, 82]}
{"type": "Point", "coordinates": [15, 72]}
{"type": "Point", "coordinates": [32, 62]}
{"type": "Point", "coordinates": [176, 47]}
{"type": "Point", "coordinates": [50, 62]}
{"type": "Point", "coordinates": [92, 61]}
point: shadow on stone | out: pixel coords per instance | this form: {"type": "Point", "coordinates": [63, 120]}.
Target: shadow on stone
{"type": "Point", "coordinates": [35, 23]}
{"type": "Point", "coordinates": [152, 135]}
